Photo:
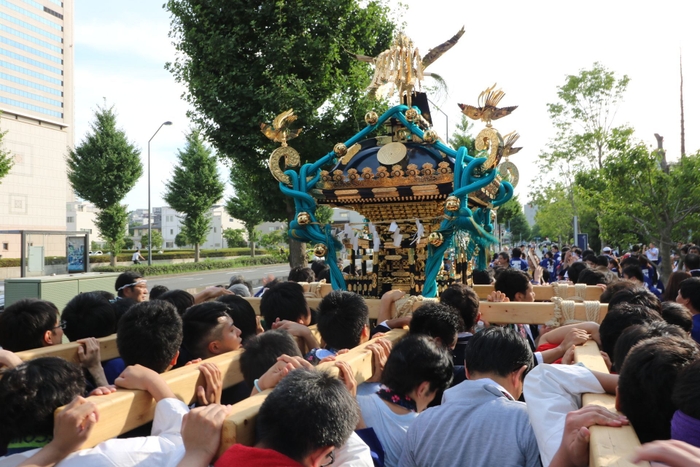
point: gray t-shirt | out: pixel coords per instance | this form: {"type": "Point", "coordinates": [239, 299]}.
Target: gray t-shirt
{"type": "Point", "coordinates": [477, 425]}
{"type": "Point", "coordinates": [390, 427]}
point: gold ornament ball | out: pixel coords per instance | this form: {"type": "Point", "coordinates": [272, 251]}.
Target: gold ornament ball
{"type": "Point", "coordinates": [371, 118]}
{"type": "Point", "coordinates": [411, 115]}
{"type": "Point", "coordinates": [435, 239]}
{"type": "Point", "coordinates": [430, 136]}
{"type": "Point", "coordinates": [340, 149]}
{"type": "Point", "coordinates": [320, 250]}
{"type": "Point", "coordinates": [452, 203]}
{"type": "Point", "coordinates": [303, 218]}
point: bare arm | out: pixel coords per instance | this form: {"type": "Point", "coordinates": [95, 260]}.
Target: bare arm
{"type": "Point", "coordinates": [558, 335]}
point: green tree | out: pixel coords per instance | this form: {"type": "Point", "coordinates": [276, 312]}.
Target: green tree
{"type": "Point", "coordinates": [324, 214]}
{"type": "Point", "coordinates": [273, 240]}
{"type": "Point", "coordinates": [194, 188]}
{"type": "Point", "coordinates": [102, 169]}
{"type": "Point", "coordinates": [6, 159]}
{"type": "Point", "coordinates": [463, 136]}
{"type": "Point", "coordinates": [242, 63]}
{"type": "Point", "coordinates": [234, 238]}
{"type": "Point", "coordinates": [181, 240]}
{"type": "Point", "coordinates": [156, 238]}
{"type": "Point", "coordinates": [246, 208]}
{"type": "Point", "coordinates": [128, 243]}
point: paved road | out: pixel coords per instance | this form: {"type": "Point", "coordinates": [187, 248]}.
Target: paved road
{"type": "Point", "coordinates": [254, 274]}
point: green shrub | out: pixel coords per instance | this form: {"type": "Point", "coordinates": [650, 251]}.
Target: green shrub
{"type": "Point", "coordinates": [161, 269]}
{"type": "Point", "coordinates": [9, 262]}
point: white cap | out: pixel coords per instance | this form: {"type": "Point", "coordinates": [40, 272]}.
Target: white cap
{"type": "Point", "coordinates": [607, 249]}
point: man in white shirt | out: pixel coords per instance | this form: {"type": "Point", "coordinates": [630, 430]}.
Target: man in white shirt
{"type": "Point", "coordinates": [653, 254]}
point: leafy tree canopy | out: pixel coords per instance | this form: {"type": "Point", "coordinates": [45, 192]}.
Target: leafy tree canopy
{"type": "Point", "coordinates": [6, 159]}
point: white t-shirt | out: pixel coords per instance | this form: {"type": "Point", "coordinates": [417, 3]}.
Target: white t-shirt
{"type": "Point", "coordinates": [390, 427]}
{"type": "Point", "coordinates": [653, 254]}
{"type": "Point", "coordinates": [135, 256]}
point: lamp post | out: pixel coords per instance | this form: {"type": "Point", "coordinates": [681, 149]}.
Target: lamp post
{"type": "Point", "coordinates": [150, 246]}
{"type": "Point", "coordinates": [447, 122]}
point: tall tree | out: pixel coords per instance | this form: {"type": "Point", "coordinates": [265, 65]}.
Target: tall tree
{"type": "Point", "coordinates": [462, 136]}
{"type": "Point", "coordinates": [156, 239]}
{"type": "Point", "coordinates": [244, 62]}
{"type": "Point", "coordinates": [194, 189]}
{"type": "Point", "coordinates": [102, 169]}
{"type": "Point", "coordinates": [246, 208]}
{"type": "Point", "coordinates": [6, 160]}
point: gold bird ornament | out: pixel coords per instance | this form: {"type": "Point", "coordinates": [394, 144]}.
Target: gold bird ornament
{"type": "Point", "coordinates": [509, 141]}
{"type": "Point", "coordinates": [278, 130]}
{"type": "Point", "coordinates": [487, 110]}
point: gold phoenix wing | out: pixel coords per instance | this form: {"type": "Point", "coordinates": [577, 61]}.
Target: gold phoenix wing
{"type": "Point", "coordinates": [488, 110]}
{"type": "Point", "coordinates": [278, 130]}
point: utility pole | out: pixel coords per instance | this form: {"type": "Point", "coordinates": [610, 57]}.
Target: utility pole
{"type": "Point", "coordinates": [682, 112]}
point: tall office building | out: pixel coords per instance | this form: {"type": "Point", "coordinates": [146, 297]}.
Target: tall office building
{"type": "Point", "coordinates": [36, 100]}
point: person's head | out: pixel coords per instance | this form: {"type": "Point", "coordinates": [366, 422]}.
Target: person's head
{"type": "Point", "coordinates": [637, 333]}
{"type": "Point", "coordinates": [502, 260]}
{"type": "Point", "coordinates": [634, 274]}
{"type": "Point", "coordinates": [317, 266]}
{"type": "Point", "coordinates": [285, 300]}
{"type": "Point", "coordinates": [575, 270]}
{"type": "Point", "coordinates": [418, 367]}
{"type": "Point", "coordinates": [208, 330]}
{"type": "Point", "coordinates": [180, 299]}
{"type": "Point", "coordinates": [674, 283]}
{"type": "Point", "coordinates": [692, 260]}
{"type": "Point", "coordinates": [636, 296]}
{"type": "Point", "coordinates": [647, 381]}
{"type": "Point", "coordinates": [591, 277]}
{"type": "Point", "coordinates": [437, 320]}
{"type": "Point", "coordinates": [240, 290]}
{"type": "Point", "coordinates": [157, 291]}
{"type": "Point", "coordinates": [30, 394]}
{"type": "Point", "coordinates": [465, 301]}
{"type": "Point", "coordinates": [515, 285]}
{"type": "Point", "coordinates": [29, 323]}
{"type": "Point", "coordinates": [242, 313]}
{"type": "Point", "coordinates": [619, 318]}
{"type": "Point", "coordinates": [635, 248]}
{"type": "Point", "coordinates": [89, 315]}
{"type": "Point", "coordinates": [320, 409]}
{"type": "Point", "coordinates": [631, 261]}
{"type": "Point", "coordinates": [675, 313]}
{"type": "Point", "coordinates": [694, 250]}
{"type": "Point", "coordinates": [499, 353]}
{"type": "Point", "coordinates": [132, 285]}
{"type": "Point", "coordinates": [150, 334]}
{"type": "Point", "coordinates": [517, 253]}
{"type": "Point", "coordinates": [121, 306]}
{"type": "Point", "coordinates": [615, 287]}
{"type": "Point", "coordinates": [590, 260]}
{"type": "Point", "coordinates": [607, 250]}
{"type": "Point", "coordinates": [343, 320]}
{"type": "Point", "coordinates": [300, 274]}
{"type": "Point", "coordinates": [261, 353]}
{"type": "Point", "coordinates": [236, 279]}
{"type": "Point", "coordinates": [689, 294]}
{"type": "Point", "coordinates": [685, 393]}
{"type": "Point", "coordinates": [555, 248]}
{"type": "Point", "coordinates": [603, 261]}
{"type": "Point", "coordinates": [482, 277]}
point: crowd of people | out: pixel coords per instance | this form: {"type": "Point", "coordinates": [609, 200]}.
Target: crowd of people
{"type": "Point", "coordinates": [456, 390]}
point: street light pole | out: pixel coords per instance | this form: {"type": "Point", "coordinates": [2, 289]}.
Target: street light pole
{"type": "Point", "coordinates": [150, 245]}
{"type": "Point", "coordinates": [447, 122]}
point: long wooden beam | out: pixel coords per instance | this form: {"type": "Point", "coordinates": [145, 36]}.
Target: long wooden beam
{"type": "Point", "coordinates": [239, 426]}
{"type": "Point", "coordinates": [108, 350]}
{"type": "Point", "coordinates": [610, 447]}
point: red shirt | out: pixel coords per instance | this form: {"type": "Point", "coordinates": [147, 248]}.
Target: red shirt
{"type": "Point", "coordinates": [239, 455]}
{"type": "Point", "coordinates": [543, 347]}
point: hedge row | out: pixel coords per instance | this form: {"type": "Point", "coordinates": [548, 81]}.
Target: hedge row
{"type": "Point", "coordinates": [172, 254]}
{"type": "Point", "coordinates": [162, 269]}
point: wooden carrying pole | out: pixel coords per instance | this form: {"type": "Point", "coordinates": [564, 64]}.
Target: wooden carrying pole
{"type": "Point", "coordinates": [108, 350]}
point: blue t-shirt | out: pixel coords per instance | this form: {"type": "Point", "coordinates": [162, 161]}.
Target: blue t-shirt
{"type": "Point", "coordinates": [695, 332]}
{"type": "Point", "coordinates": [519, 263]}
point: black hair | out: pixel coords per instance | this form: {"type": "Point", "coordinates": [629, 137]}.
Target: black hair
{"type": "Point", "coordinates": [157, 291]}
{"type": "Point", "coordinates": [602, 260]}
{"type": "Point", "coordinates": [89, 315]}
{"type": "Point", "coordinates": [121, 306]}
{"type": "Point", "coordinates": [639, 295]}
{"type": "Point", "coordinates": [301, 274]}
{"type": "Point", "coordinates": [619, 318]}
{"type": "Point", "coordinates": [675, 313]}
{"type": "Point", "coordinates": [690, 290]}
{"type": "Point", "coordinates": [284, 301]}
{"type": "Point", "coordinates": [24, 323]}
{"type": "Point", "coordinates": [126, 278]}
{"type": "Point", "coordinates": [575, 270]}
{"type": "Point", "coordinates": [465, 301]}
{"type": "Point", "coordinates": [692, 261]}
{"type": "Point", "coordinates": [630, 261]}
{"type": "Point", "coordinates": [150, 334]}
{"type": "Point", "coordinates": [591, 277]}
{"type": "Point", "coordinates": [342, 316]}
{"type": "Point", "coordinates": [317, 266]}
{"type": "Point", "coordinates": [615, 287]}
{"type": "Point", "coordinates": [261, 353]}
{"type": "Point", "coordinates": [511, 282]}
{"type": "Point", "coordinates": [587, 252]}
{"type": "Point", "coordinates": [591, 257]}
{"type": "Point", "coordinates": [105, 294]}
{"type": "Point", "coordinates": [179, 298]}
{"type": "Point", "coordinates": [242, 313]}
{"type": "Point", "coordinates": [324, 273]}
{"type": "Point", "coordinates": [482, 277]}
{"type": "Point", "coordinates": [685, 393]}
{"type": "Point", "coordinates": [555, 246]}
{"type": "Point", "coordinates": [647, 381]}
{"type": "Point", "coordinates": [32, 391]}
{"type": "Point", "coordinates": [436, 320]}
{"type": "Point", "coordinates": [504, 255]}
{"type": "Point", "coordinates": [633, 272]}
{"type": "Point", "coordinates": [199, 325]}
{"type": "Point", "coordinates": [517, 253]}
{"type": "Point", "coordinates": [318, 406]}
{"type": "Point", "coordinates": [497, 350]}
{"type": "Point", "coordinates": [637, 333]}
{"type": "Point", "coordinates": [415, 359]}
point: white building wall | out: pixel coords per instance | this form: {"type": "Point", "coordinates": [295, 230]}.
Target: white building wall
{"type": "Point", "coordinates": [81, 217]}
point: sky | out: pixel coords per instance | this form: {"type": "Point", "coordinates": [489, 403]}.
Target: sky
{"type": "Point", "coordinates": [528, 48]}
